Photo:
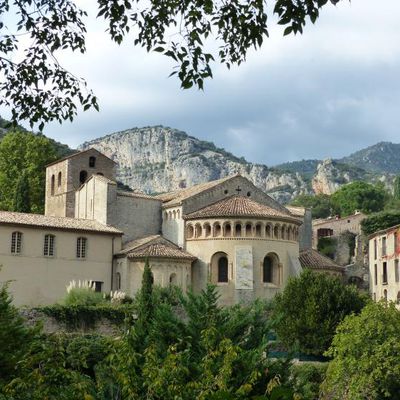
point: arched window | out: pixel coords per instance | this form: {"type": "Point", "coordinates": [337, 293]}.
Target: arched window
{"type": "Point", "coordinates": [223, 269]}
{"type": "Point", "coordinates": [81, 247]}
{"type": "Point", "coordinates": [267, 270]}
{"type": "Point", "coordinates": [198, 230]}
{"type": "Point", "coordinates": [283, 232]}
{"type": "Point", "coordinates": [227, 230]}
{"type": "Point", "coordinates": [207, 229]}
{"type": "Point", "coordinates": [48, 245]}
{"type": "Point", "coordinates": [173, 280]}
{"type": "Point", "coordinates": [59, 179]}
{"type": "Point", "coordinates": [249, 230]}
{"type": "Point", "coordinates": [82, 177]}
{"type": "Point", "coordinates": [52, 184]}
{"type": "Point", "coordinates": [16, 242]}
{"type": "Point", "coordinates": [189, 231]}
{"type": "Point", "coordinates": [92, 162]}
{"type": "Point", "coordinates": [118, 280]}
{"type": "Point", "coordinates": [258, 230]}
{"type": "Point", "coordinates": [178, 214]}
{"type": "Point", "coordinates": [238, 230]}
{"type": "Point", "coordinates": [217, 229]}
{"type": "Point", "coordinates": [276, 232]}
{"type": "Point", "coordinates": [174, 214]}
{"type": "Point", "coordinates": [268, 231]}
{"type": "Point", "coordinates": [270, 269]}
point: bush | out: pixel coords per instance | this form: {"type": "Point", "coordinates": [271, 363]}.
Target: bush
{"type": "Point", "coordinates": [309, 309]}
{"type": "Point", "coordinates": [83, 297]}
{"type": "Point", "coordinates": [306, 379]}
{"type": "Point", "coordinates": [379, 221]}
{"type": "Point", "coordinates": [366, 356]}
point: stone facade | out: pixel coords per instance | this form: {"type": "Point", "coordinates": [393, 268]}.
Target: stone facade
{"type": "Point", "coordinates": [227, 232]}
{"type": "Point", "coordinates": [384, 268]}
{"type": "Point", "coordinates": [64, 177]}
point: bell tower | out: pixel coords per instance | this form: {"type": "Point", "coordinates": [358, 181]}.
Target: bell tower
{"type": "Point", "coordinates": [65, 176]}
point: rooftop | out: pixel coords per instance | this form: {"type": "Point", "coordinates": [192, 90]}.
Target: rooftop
{"type": "Point", "coordinates": [154, 246]}
{"type": "Point", "coordinates": [311, 258]}
{"type": "Point", "coordinates": [239, 206]}
{"type": "Point", "coordinates": [177, 196]}
{"type": "Point", "coordinates": [78, 153]}
{"type": "Point", "coordinates": [43, 221]}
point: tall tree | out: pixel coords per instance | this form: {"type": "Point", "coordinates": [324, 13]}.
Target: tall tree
{"type": "Point", "coordinates": [24, 152]}
{"type": "Point", "coordinates": [39, 89]}
{"type": "Point", "coordinates": [22, 201]}
{"type": "Point", "coordinates": [309, 309]}
{"type": "Point", "coordinates": [360, 196]}
{"type": "Point", "coordinates": [396, 188]}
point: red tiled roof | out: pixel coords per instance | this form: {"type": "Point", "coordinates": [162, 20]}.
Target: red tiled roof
{"type": "Point", "coordinates": [311, 258]}
{"type": "Point", "coordinates": [239, 206]}
{"type": "Point", "coordinates": [44, 221]}
{"type": "Point", "coordinates": [154, 247]}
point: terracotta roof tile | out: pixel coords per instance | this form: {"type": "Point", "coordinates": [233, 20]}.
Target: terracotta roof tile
{"type": "Point", "coordinates": [297, 211]}
{"type": "Point", "coordinates": [311, 258]}
{"type": "Point", "coordinates": [239, 206]}
{"type": "Point", "coordinates": [177, 196]}
{"type": "Point", "coordinates": [155, 247]}
{"type": "Point", "coordinates": [43, 221]}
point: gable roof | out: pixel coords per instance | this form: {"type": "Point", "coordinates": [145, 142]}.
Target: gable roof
{"type": "Point", "coordinates": [78, 153]}
{"type": "Point", "coordinates": [44, 221]}
{"type": "Point", "coordinates": [177, 196]}
{"type": "Point", "coordinates": [240, 206]}
{"type": "Point", "coordinates": [154, 246]}
{"type": "Point", "coordinates": [310, 258]}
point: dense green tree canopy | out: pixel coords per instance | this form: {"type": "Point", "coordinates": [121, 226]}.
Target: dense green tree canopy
{"type": "Point", "coordinates": [309, 309]}
{"type": "Point", "coordinates": [366, 356]}
{"type": "Point", "coordinates": [379, 221]}
{"type": "Point", "coordinates": [320, 204]}
{"type": "Point", "coordinates": [39, 89]}
{"type": "Point", "coordinates": [360, 196]}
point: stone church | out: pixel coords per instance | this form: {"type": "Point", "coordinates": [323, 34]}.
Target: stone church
{"type": "Point", "coordinates": [227, 232]}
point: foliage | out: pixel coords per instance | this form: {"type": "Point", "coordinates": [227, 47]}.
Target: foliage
{"type": "Point", "coordinates": [86, 316]}
{"type": "Point", "coordinates": [320, 204]}
{"type": "Point", "coordinates": [327, 246]}
{"type": "Point", "coordinates": [24, 153]}
{"type": "Point", "coordinates": [379, 221]}
{"type": "Point", "coordinates": [210, 353]}
{"type": "Point", "coordinates": [22, 202]}
{"type": "Point", "coordinates": [309, 309]}
{"type": "Point", "coordinates": [396, 188]}
{"type": "Point", "coordinates": [39, 89]}
{"type": "Point", "coordinates": [306, 379]}
{"type": "Point", "coordinates": [366, 356]}
{"type": "Point", "coordinates": [83, 297]}
{"type": "Point", "coordinates": [360, 196]}
{"type": "Point", "coordinates": [15, 337]}
{"type": "Point", "coordinates": [59, 367]}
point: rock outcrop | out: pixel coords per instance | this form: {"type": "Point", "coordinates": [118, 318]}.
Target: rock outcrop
{"type": "Point", "coordinates": [158, 159]}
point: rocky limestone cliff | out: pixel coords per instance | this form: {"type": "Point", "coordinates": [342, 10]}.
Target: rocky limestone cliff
{"type": "Point", "coordinates": [158, 159]}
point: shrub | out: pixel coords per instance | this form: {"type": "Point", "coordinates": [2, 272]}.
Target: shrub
{"type": "Point", "coordinates": [309, 309]}
{"type": "Point", "coordinates": [366, 356]}
{"type": "Point", "coordinates": [306, 379]}
{"type": "Point", "coordinates": [82, 293]}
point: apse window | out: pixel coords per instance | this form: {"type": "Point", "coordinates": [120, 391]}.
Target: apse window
{"type": "Point", "coordinates": [223, 270]}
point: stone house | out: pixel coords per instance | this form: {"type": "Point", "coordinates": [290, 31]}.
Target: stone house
{"type": "Point", "coordinates": [384, 272]}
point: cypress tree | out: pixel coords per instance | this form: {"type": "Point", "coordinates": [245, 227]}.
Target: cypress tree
{"type": "Point", "coordinates": [22, 202]}
{"type": "Point", "coordinates": [396, 191]}
{"type": "Point", "coordinates": [145, 306]}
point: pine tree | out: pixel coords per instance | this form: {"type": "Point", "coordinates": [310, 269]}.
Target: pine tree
{"type": "Point", "coordinates": [22, 201]}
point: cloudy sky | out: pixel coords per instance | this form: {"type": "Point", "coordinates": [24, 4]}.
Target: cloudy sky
{"type": "Point", "coordinates": [327, 93]}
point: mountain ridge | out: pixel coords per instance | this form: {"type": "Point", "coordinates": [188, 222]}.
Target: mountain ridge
{"type": "Point", "coordinates": [158, 159]}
